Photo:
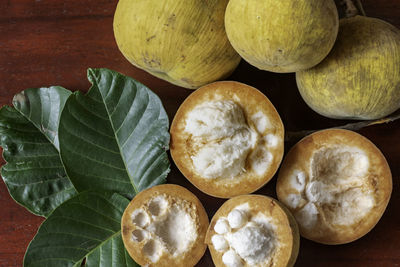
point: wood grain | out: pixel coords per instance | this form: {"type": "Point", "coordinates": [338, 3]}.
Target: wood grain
{"type": "Point", "coordinates": [53, 42]}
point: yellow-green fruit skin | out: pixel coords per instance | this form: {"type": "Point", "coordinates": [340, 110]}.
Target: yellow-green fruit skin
{"type": "Point", "coordinates": [360, 78]}
{"type": "Point", "coordinates": [181, 41]}
{"type": "Point", "coordinates": [282, 35]}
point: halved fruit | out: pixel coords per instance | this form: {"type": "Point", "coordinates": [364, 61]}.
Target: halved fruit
{"type": "Point", "coordinates": [165, 226]}
{"type": "Point", "coordinates": [253, 230]}
{"type": "Point", "coordinates": [337, 184]}
{"type": "Point", "coordinates": [227, 139]}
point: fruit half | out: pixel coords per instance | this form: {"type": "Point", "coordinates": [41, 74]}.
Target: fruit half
{"type": "Point", "coordinates": [227, 139]}
{"type": "Point", "coordinates": [253, 230]}
{"type": "Point", "coordinates": [337, 184]}
{"type": "Point", "coordinates": [165, 226]}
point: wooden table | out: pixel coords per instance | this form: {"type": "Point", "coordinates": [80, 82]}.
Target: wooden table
{"type": "Point", "coordinates": [53, 42]}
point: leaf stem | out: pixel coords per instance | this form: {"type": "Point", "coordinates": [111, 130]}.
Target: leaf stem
{"type": "Point", "coordinates": [360, 8]}
{"type": "Point", "coordinates": [296, 136]}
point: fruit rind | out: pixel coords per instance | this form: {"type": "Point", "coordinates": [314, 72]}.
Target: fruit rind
{"type": "Point", "coordinates": [252, 102]}
{"type": "Point", "coordinates": [360, 78]}
{"type": "Point", "coordinates": [183, 42]}
{"type": "Point", "coordinates": [282, 36]}
{"type": "Point", "coordinates": [323, 221]}
{"type": "Point", "coordinates": [152, 247]}
{"type": "Point", "coordinates": [286, 229]}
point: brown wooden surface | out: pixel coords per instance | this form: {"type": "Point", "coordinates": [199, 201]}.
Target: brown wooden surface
{"type": "Point", "coordinates": [53, 42]}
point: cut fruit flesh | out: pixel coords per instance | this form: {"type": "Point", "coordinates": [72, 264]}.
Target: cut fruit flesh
{"type": "Point", "coordinates": [165, 225]}
{"type": "Point", "coordinates": [227, 139]}
{"type": "Point", "coordinates": [253, 230]}
{"type": "Point", "coordinates": [337, 184]}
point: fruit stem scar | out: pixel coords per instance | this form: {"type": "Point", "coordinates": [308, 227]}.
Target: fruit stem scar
{"type": "Point", "coordinates": [353, 8]}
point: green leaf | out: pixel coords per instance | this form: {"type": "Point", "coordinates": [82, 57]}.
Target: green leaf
{"type": "Point", "coordinates": [86, 226]}
{"type": "Point", "coordinates": [34, 174]}
{"type": "Point", "coordinates": [115, 137]}
{"type": "Point", "coordinates": [43, 107]}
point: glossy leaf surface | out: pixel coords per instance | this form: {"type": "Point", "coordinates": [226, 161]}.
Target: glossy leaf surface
{"type": "Point", "coordinates": [34, 174]}
{"type": "Point", "coordinates": [115, 137]}
{"type": "Point", "coordinates": [85, 229]}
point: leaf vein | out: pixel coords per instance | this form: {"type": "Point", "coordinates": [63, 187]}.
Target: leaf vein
{"type": "Point", "coordinates": [39, 182]}
{"type": "Point", "coordinates": [89, 126]}
{"type": "Point", "coordinates": [139, 145]}
{"type": "Point", "coordinates": [84, 222]}
{"type": "Point", "coordinates": [119, 146]}
{"type": "Point", "coordinates": [105, 216]}
{"type": "Point", "coordinates": [133, 130]}
{"type": "Point", "coordinates": [132, 105]}
{"type": "Point", "coordinates": [102, 243]}
{"type": "Point", "coordinates": [99, 162]}
{"type": "Point", "coordinates": [50, 195]}
{"type": "Point", "coordinates": [36, 168]}
{"type": "Point", "coordinates": [91, 143]}
{"type": "Point", "coordinates": [149, 168]}
{"type": "Point", "coordinates": [70, 234]}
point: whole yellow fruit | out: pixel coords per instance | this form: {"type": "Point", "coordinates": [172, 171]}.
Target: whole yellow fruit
{"type": "Point", "coordinates": [282, 35]}
{"type": "Point", "coordinates": [360, 78]}
{"type": "Point", "coordinates": [181, 41]}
